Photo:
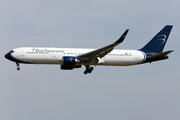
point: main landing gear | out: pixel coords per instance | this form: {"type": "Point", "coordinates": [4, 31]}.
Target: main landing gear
{"type": "Point", "coordinates": [17, 64]}
{"type": "Point", "coordinates": [88, 69]}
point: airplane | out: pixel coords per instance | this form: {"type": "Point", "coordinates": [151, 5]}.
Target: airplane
{"type": "Point", "coordinates": [71, 58]}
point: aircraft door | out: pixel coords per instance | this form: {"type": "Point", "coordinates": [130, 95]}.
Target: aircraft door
{"type": "Point", "coordinates": [135, 55]}
{"type": "Point", "coordinates": [54, 54]}
{"type": "Point", "coordinates": [21, 52]}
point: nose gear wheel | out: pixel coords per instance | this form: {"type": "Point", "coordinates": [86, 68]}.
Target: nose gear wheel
{"type": "Point", "coordinates": [17, 64]}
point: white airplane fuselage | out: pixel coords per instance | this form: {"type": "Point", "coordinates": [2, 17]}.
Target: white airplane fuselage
{"type": "Point", "coordinates": [41, 55]}
{"type": "Point", "coordinates": [70, 58]}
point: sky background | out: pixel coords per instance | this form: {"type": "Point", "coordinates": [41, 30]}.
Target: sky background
{"type": "Point", "coordinates": [44, 92]}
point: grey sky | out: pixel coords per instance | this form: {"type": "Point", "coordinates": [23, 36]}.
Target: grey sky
{"type": "Point", "coordinates": [149, 91]}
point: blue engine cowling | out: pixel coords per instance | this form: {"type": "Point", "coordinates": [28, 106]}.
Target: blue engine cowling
{"type": "Point", "coordinates": [68, 60]}
{"type": "Point", "coordinates": [69, 67]}
{"type": "Point", "coordinates": [69, 63]}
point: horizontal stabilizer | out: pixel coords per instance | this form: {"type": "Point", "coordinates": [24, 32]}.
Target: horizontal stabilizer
{"type": "Point", "coordinates": [161, 54]}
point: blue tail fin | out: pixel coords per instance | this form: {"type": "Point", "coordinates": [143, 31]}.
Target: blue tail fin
{"type": "Point", "coordinates": [158, 42]}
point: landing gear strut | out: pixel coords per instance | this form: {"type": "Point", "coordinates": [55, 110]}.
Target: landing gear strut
{"type": "Point", "coordinates": [88, 69]}
{"type": "Point", "coordinates": [17, 64]}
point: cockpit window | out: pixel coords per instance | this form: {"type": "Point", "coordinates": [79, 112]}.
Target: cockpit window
{"type": "Point", "coordinates": [12, 51]}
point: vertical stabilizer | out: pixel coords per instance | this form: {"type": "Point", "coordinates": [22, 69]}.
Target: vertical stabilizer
{"type": "Point", "coordinates": [158, 42]}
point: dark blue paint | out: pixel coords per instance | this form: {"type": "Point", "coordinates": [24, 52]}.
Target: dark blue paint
{"type": "Point", "coordinates": [122, 37]}
{"type": "Point", "coordinates": [9, 57]}
{"type": "Point", "coordinates": [157, 43]}
{"type": "Point", "coordinates": [68, 60]}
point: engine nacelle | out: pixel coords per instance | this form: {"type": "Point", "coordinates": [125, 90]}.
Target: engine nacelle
{"type": "Point", "coordinates": [69, 63]}
{"type": "Point", "coordinates": [69, 60]}
{"type": "Point", "coordinates": [69, 67]}
{"type": "Point", "coordinates": [66, 67]}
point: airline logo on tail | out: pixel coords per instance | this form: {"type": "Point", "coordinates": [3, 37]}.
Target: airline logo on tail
{"type": "Point", "coordinates": [162, 39]}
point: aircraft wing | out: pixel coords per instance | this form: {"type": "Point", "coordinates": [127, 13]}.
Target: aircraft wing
{"type": "Point", "coordinates": [93, 55]}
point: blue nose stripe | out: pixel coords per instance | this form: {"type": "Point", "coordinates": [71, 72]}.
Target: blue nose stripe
{"type": "Point", "coordinates": [8, 56]}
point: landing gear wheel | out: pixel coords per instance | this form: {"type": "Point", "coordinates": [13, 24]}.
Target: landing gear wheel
{"type": "Point", "coordinates": [92, 69]}
{"type": "Point", "coordinates": [18, 68]}
{"type": "Point", "coordinates": [17, 64]}
{"type": "Point", "coordinates": [88, 70]}
{"type": "Point", "coordinates": [85, 72]}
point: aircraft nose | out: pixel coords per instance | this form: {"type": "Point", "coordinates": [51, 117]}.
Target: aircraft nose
{"type": "Point", "coordinates": [8, 56]}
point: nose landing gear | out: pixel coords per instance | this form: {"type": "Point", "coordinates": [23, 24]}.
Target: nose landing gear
{"type": "Point", "coordinates": [88, 69]}
{"type": "Point", "coordinates": [17, 64]}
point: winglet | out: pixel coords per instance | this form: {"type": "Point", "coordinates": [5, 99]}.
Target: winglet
{"type": "Point", "coordinates": [122, 37]}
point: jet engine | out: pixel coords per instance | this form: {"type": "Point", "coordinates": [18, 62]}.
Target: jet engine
{"type": "Point", "coordinates": [69, 63]}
